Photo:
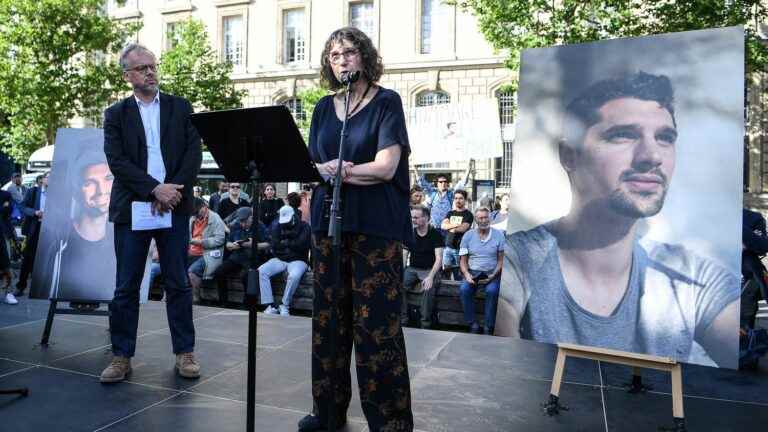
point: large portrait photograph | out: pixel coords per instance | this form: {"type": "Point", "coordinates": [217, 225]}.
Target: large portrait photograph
{"type": "Point", "coordinates": [624, 229]}
{"type": "Point", "coordinates": [75, 258]}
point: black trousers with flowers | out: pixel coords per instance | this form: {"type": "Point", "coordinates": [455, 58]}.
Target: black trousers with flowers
{"type": "Point", "coordinates": [368, 308]}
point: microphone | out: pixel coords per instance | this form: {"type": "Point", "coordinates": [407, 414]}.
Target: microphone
{"type": "Point", "coordinates": [349, 77]}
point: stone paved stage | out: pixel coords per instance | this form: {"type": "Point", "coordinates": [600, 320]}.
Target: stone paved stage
{"type": "Point", "coordinates": [460, 382]}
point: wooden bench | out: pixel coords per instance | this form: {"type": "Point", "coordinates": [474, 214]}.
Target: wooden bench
{"type": "Point", "coordinates": [448, 308]}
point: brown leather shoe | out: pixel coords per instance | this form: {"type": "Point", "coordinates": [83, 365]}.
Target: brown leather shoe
{"type": "Point", "coordinates": [187, 366]}
{"type": "Point", "coordinates": [117, 371]}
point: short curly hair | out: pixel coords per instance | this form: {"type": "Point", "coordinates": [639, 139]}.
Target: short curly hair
{"type": "Point", "coordinates": [583, 111]}
{"type": "Point", "coordinates": [373, 67]}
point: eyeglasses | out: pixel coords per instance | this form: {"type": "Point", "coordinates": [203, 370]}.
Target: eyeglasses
{"type": "Point", "coordinates": [442, 181]}
{"type": "Point", "coordinates": [335, 57]}
{"type": "Point", "coordinates": [143, 69]}
{"type": "Point", "coordinates": [234, 187]}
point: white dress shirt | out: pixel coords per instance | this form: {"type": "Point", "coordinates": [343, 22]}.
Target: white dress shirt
{"type": "Point", "coordinates": [150, 119]}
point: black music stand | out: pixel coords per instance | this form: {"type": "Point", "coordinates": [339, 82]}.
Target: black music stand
{"type": "Point", "coordinates": [256, 145]}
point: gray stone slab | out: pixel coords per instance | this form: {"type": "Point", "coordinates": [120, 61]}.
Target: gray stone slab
{"type": "Point", "coordinates": [728, 384]}
{"type": "Point", "coordinates": [648, 411]}
{"type": "Point", "coordinates": [67, 338]}
{"type": "Point", "coordinates": [273, 331]}
{"type": "Point", "coordinates": [10, 366]}
{"type": "Point", "coordinates": [514, 357]}
{"type": "Point", "coordinates": [486, 401]}
{"type": "Point", "coordinates": [64, 401]}
{"type": "Point", "coordinates": [423, 346]}
{"type": "Point", "coordinates": [193, 413]}
{"type": "Point", "coordinates": [154, 361]}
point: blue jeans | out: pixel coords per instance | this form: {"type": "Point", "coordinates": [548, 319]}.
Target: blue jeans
{"type": "Point", "coordinates": [154, 271]}
{"type": "Point", "coordinates": [451, 262]}
{"type": "Point", "coordinates": [274, 266]}
{"type": "Point", "coordinates": [467, 293]}
{"type": "Point", "coordinates": [131, 248]}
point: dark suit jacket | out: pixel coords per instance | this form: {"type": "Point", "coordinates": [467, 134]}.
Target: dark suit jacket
{"type": "Point", "coordinates": [6, 204]}
{"type": "Point", "coordinates": [31, 224]}
{"type": "Point", "coordinates": [126, 149]}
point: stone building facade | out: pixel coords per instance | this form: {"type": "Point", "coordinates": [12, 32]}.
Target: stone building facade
{"type": "Point", "coordinates": [432, 52]}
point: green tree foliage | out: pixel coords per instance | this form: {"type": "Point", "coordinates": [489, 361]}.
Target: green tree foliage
{"type": "Point", "coordinates": [191, 69]}
{"type": "Point", "coordinates": [309, 98]}
{"type": "Point", "coordinates": [55, 65]}
{"type": "Point", "coordinates": [519, 24]}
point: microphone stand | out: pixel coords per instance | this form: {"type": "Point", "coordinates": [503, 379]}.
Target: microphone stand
{"type": "Point", "coordinates": [251, 298]}
{"type": "Point", "coordinates": [334, 232]}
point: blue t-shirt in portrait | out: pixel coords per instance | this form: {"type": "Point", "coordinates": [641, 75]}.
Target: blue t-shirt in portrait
{"type": "Point", "coordinates": [381, 209]}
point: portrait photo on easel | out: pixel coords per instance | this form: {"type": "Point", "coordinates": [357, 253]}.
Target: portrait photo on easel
{"type": "Point", "coordinates": [624, 230]}
{"type": "Point", "coordinates": [76, 251]}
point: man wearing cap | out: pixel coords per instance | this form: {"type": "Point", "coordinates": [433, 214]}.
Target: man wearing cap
{"type": "Point", "coordinates": [206, 246]}
{"type": "Point", "coordinates": [290, 245]}
{"type": "Point", "coordinates": [238, 250]}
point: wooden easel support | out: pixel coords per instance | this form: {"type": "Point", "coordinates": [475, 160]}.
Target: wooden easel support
{"type": "Point", "coordinates": [637, 361]}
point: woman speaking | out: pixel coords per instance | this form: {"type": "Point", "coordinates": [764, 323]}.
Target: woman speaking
{"type": "Point", "coordinates": [375, 223]}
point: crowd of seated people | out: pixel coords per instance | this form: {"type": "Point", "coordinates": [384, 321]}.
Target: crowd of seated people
{"type": "Point", "coordinates": [451, 247]}
{"type": "Point", "coordinates": [221, 245]}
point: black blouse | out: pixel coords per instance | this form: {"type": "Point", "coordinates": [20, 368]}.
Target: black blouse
{"type": "Point", "coordinates": [380, 209]}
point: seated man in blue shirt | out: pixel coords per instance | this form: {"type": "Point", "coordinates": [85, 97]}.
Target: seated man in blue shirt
{"type": "Point", "coordinates": [481, 253]}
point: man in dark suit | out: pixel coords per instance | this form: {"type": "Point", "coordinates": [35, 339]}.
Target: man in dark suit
{"type": "Point", "coordinates": [33, 207]}
{"type": "Point", "coordinates": [154, 153]}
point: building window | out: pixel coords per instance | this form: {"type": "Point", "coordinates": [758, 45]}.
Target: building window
{"type": "Point", "coordinates": [432, 98]}
{"type": "Point", "coordinates": [503, 165]}
{"type": "Point", "coordinates": [172, 34]}
{"type": "Point", "coordinates": [435, 27]}
{"type": "Point", "coordinates": [294, 43]}
{"type": "Point", "coordinates": [361, 16]}
{"type": "Point", "coordinates": [122, 4]}
{"type": "Point", "coordinates": [233, 40]}
{"type": "Point", "coordinates": [296, 108]}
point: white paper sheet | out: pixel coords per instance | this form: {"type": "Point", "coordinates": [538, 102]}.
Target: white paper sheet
{"type": "Point", "coordinates": [143, 219]}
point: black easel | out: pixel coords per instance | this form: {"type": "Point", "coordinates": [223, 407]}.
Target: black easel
{"type": "Point", "coordinates": [256, 145]}
{"type": "Point", "coordinates": [53, 310]}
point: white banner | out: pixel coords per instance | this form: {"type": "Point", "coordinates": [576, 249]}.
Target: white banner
{"type": "Point", "coordinates": [455, 132]}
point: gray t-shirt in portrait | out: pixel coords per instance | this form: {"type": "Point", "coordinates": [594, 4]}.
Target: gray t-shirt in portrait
{"type": "Point", "coordinates": [672, 296]}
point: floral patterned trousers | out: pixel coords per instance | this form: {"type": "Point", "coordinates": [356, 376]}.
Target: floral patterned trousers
{"type": "Point", "coordinates": [368, 313]}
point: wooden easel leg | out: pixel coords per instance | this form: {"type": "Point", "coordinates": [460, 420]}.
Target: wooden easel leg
{"type": "Point", "coordinates": [677, 392]}
{"type": "Point", "coordinates": [557, 378]}
{"type": "Point", "coordinates": [677, 401]}
{"type": "Point", "coordinates": [553, 406]}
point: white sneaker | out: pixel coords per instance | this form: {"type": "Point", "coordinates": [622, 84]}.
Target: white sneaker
{"type": "Point", "coordinates": [271, 310]}
{"type": "Point", "coordinates": [10, 299]}
{"type": "Point", "coordinates": [284, 310]}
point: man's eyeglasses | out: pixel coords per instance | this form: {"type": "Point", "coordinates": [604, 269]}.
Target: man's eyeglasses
{"type": "Point", "coordinates": [234, 187]}
{"type": "Point", "coordinates": [442, 181]}
{"type": "Point", "coordinates": [335, 57]}
{"type": "Point", "coordinates": [143, 69]}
